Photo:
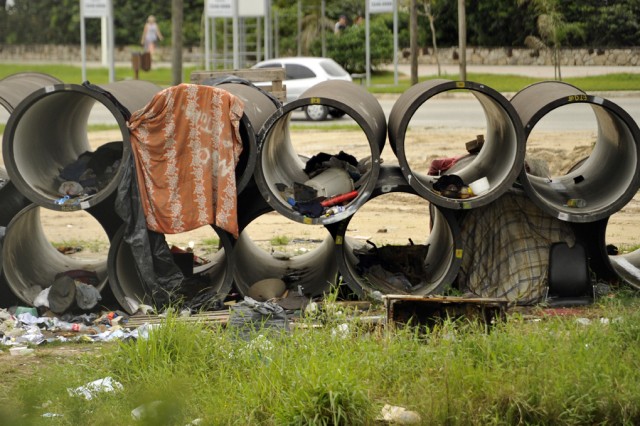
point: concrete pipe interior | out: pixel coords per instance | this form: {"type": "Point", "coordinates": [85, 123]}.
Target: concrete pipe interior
{"type": "Point", "coordinates": [205, 271]}
{"type": "Point", "coordinates": [48, 133]}
{"type": "Point", "coordinates": [593, 171]}
{"type": "Point", "coordinates": [420, 240]}
{"type": "Point", "coordinates": [281, 152]}
{"type": "Point", "coordinates": [420, 135]}
{"type": "Point", "coordinates": [41, 243]}
{"type": "Point", "coordinates": [271, 246]}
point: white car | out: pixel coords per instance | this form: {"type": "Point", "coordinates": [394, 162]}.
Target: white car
{"type": "Point", "coordinates": [304, 72]}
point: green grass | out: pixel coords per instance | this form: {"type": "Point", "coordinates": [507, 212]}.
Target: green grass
{"type": "Point", "coordinates": [381, 81]}
{"type": "Point", "coordinates": [555, 370]}
{"type": "Point", "coordinates": [280, 240]}
{"type": "Point", "coordinates": [72, 74]}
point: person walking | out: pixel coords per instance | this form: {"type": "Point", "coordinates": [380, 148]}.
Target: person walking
{"type": "Point", "coordinates": [151, 35]}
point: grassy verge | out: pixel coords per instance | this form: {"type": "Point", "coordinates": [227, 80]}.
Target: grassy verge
{"type": "Point", "coordinates": [381, 82]}
{"type": "Point", "coordinates": [552, 370]}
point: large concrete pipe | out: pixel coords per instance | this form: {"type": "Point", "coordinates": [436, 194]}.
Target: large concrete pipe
{"type": "Point", "coordinates": [278, 163]}
{"type": "Point", "coordinates": [314, 271]}
{"type": "Point", "coordinates": [48, 131]}
{"type": "Point", "coordinates": [258, 107]}
{"type": "Point", "coordinates": [499, 161]}
{"type": "Point", "coordinates": [31, 263]}
{"type": "Point", "coordinates": [130, 291]}
{"type": "Point", "coordinates": [602, 184]}
{"type": "Point", "coordinates": [441, 234]}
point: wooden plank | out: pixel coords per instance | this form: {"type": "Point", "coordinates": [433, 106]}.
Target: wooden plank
{"type": "Point", "coordinates": [273, 75]}
{"type": "Point", "coordinates": [261, 74]}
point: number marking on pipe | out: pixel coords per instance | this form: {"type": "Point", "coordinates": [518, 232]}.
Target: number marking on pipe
{"type": "Point", "coordinates": [577, 98]}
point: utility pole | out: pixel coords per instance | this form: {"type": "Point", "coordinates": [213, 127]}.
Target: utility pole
{"type": "Point", "coordinates": [176, 41]}
{"type": "Point", "coordinates": [413, 41]}
{"type": "Point", "coordinates": [462, 39]}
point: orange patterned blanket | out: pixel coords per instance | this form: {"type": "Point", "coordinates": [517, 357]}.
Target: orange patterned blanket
{"type": "Point", "coordinates": [186, 144]}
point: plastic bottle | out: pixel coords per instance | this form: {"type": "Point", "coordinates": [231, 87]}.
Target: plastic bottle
{"type": "Point", "coordinates": [334, 210]}
{"type": "Point", "coordinates": [576, 202]}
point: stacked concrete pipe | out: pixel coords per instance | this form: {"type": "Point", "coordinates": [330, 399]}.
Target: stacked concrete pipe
{"type": "Point", "coordinates": [45, 132]}
{"type": "Point", "coordinates": [314, 272]}
{"type": "Point", "coordinates": [13, 89]}
{"type": "Point", "coordinates": [499, 160]}
{"type": "Point", "coordinates": [607, 180]}
{"type": "Point", "coordinates": [279, 163]}
{"type": "Point", "coordinates": [443, 238]}
{"type": "Point", "coordinates": [129, 289]}
{"type": "Point", "coordinates": [48, 131]}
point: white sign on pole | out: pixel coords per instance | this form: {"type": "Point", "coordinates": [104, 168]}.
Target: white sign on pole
{"type": "Point", "coordinates": [95, 8]}
{"type": "Point", "coordinates": [251, 8]}
{"type": "Point", "coordinates": [220, 8]}
{"type": "Point", "coordinates": [380, 6]}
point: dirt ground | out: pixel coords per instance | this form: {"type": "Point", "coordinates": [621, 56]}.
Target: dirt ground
{"type": "Point", "coordinates": [388, 219]}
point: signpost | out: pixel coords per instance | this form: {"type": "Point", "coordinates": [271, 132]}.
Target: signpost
{"type": "Point", "coordinates": [102, 9]}
{"type": "Point", "coordinates": [234, 9]}
{"type": "Point", "coordinates": [381, 6]}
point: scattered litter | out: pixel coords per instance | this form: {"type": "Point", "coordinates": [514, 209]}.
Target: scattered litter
{"type": "Point", "coordinates": [146, 411]}
{"type": "Point", "coordinates": [90, 390]}
{"type": "Point", "coordinates": [50, 415]}
{"type": "Point", "coordinates": [398, 415]}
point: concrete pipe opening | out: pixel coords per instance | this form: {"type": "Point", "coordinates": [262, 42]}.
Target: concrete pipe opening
{"type": "Point", "coordinates": [51, 156]}
{"type": "Point", "coordinates": [343, 162]}
{"type": "Point", "coordinates": [415, 252]}
{"type": "Point", "coordinates": [276, 253]}
{"type": "Point", "coordinates": [40, 244]}
{"type": "Point", "coordinates": [612, 245]}
{"type": "Point", "coordinates": [201, 255]}
{"type": "Point", "coordinates": [258, 107]}
{"type": "Point", "coordinates": [420, 135]}
{"type": "Point", "coordinates": [600, 141]}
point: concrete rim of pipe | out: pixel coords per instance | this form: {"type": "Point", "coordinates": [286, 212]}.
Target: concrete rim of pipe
{"type": "Point", "coordinates": [34, 262]}
{"type": "Point", "coordinates": [607, 180]}
{"type": "Point", "coordinates": [279, 163]}
{"type": "Point", "coordinates": [315, 270]}
{"type": "Point", "coordinates": [444, 240]}
{"type": "Point", "coordinates": [49, 130]}
{"type": "Point", "coordinates": [130, 291]}
{"type": "Point", "coordinates": [500, 159]}
{"type": "Point", "coordinates": [15, 87]}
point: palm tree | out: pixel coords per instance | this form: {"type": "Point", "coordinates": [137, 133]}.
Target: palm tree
{"type": "Point", "coordinates": [553, 30]}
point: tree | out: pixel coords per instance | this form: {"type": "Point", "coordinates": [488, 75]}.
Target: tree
{"type": "Point", "coordinates": [348, 48]}
{"type": "Point", "coordinates": [553, 30]}
{"type": "Point", "coordinates": [428, 10]}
